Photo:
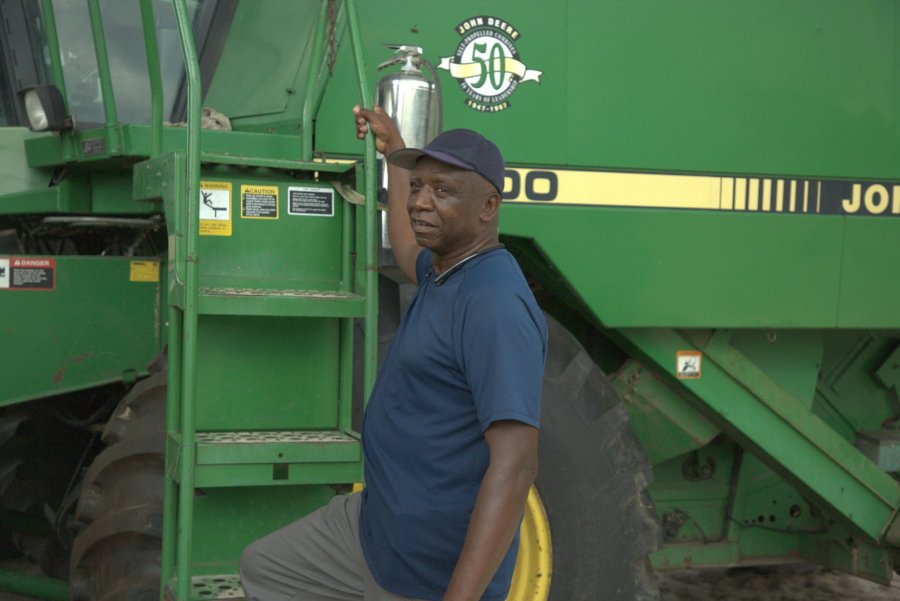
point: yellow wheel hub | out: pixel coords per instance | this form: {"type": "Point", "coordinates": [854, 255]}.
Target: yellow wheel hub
{"type": "Point", "coordinates": [531, 578]}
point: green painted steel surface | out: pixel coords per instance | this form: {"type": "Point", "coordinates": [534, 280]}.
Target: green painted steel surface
{"type": "Point", "coordinates": [223, 526]}
{"type": "Point", "coordinates": [95, 327]}
{"type": "Point", "coordinates": [735, 89]}
{"type": "Point", "coordinates": [654, 407]}
{"type": "Point", "coordinates": [15, 172]}
{"type": "Point", "coordinates": [38, 587]}
{"type": "Point", "coordinates": [798, 88]}
{"type": "Point", "coordinates": [693, 268]}
{"type": "Point", "coordinates": [765, 418]}
{"type": "Point", "coordinates": [259, 373]}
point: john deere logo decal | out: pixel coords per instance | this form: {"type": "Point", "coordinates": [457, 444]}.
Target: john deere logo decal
{"type": "Point", "coordinates": [486, 64]}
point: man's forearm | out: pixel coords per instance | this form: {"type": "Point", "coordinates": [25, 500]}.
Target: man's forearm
{"type": "Point", "coordinates": [495, 520]}
{"type": "Point", "coordinates": [399, 229]}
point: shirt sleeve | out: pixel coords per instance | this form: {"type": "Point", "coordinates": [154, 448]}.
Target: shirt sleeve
{"type": "Point", "coordinates": [504, 345]}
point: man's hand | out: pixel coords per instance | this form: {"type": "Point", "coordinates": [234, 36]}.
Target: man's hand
{"type": "Point", "coordinates": [387, 136]}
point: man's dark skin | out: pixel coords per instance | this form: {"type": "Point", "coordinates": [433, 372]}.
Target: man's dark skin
{"type": "Point", "coordinates": [454, 214]}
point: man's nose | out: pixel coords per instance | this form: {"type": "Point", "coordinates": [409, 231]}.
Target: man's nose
{"type": "Point", "coordinates": [422, 200]}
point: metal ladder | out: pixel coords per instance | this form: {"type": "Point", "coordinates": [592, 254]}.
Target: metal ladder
{"type": "Point", "coordinates": [262, 312]}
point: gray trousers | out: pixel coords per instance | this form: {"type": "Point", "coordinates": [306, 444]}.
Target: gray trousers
{"type": "Point", "coordinates": [317, 558]}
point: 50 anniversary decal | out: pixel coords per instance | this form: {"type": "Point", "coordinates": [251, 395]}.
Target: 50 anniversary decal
{"type": "Point", "coordinates": [487, 65]}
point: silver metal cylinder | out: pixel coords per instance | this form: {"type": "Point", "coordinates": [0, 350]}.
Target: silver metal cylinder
{"type": "Point", "coordinates": [413, 101]}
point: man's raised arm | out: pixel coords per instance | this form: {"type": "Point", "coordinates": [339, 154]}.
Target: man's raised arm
{"type": "Point", "coordinates": [388, 140]}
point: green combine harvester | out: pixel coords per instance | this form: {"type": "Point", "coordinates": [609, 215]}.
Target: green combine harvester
{"type": "Point", "coordinates": [194, 286]}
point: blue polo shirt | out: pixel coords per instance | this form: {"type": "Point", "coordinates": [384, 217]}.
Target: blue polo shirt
{"type": "Point", "coordinates": [469, 351]}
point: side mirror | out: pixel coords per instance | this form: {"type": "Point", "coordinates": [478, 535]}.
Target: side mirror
{"type": "Point", "coordinates": [45, 108]}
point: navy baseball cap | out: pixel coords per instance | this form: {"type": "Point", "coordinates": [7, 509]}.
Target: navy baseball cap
{"type": "Point", "coordinates": [461, 148]}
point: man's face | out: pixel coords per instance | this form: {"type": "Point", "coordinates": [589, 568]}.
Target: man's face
{"type": "Point", "coordinates": [444, 207]}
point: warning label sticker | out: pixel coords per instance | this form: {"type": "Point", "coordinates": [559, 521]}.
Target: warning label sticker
{"type": "Point", "coordinates": [144, 271]}
{"type": "Point", "coordinates": [259, 202]}
{"type": "Point", "coordinates": [215, 208]}
{"type": "Point", "coordinates": [688, 365]}
{"type": "Point", "coordinates": [318, 202]}
{"type": "Point", "coordinates": [27, 273]}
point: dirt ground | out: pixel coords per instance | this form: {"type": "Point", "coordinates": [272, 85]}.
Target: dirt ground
{"type": "Point", "coordinates": [783, 583]}
{"type": "Point", "coordinates": [786, 583]}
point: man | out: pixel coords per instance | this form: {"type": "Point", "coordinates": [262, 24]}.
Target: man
{"type": "Point", "coordinates": [450, 432]}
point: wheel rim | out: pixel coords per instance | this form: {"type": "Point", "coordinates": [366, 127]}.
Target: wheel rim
{"type": "Point", "coordinates": [534, 565]}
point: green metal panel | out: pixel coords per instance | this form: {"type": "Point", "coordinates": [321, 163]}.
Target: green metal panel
{"type": "Point", "coordinates": [96, 326]}
{"type": "Point", "coordinates": [738, 512]}
{"type": "Point", "coordinates": [797, 87]}
{"type": "Point", "coordinates": [638, 268]}
{"type": "Point", "coordinates": [801, 87]}
{"type": "Point", "coordinates": [734, 512]}
{"type": "Point", "coordinates": [14, 170]}
{"type": "Point", "coordinates": [764, 418]}
{"type": "Point", "coordinates": [33, 585]}
{"type": "Point", "coordinates": [870, 273]}
{"type": "Point", "coordinates": [70, 196]}
{"type": "Point", "coordinates": [283, 251]}
{"type": "Point", "coordinates": [255, 474]}
{"type": "Point", "coordinates": [790, 357]}
{"type": "Point", "coordinates": [849, 396]}
{"type": "Point", "coordinates": [654, 407]}
{"type": "Point", "coordinates": [225, 512]}
{"type": "Point", "coordinates": [258, 373]}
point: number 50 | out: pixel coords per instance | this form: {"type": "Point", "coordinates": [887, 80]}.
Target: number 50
{"type": "Point", "coordinates": [494, 67]}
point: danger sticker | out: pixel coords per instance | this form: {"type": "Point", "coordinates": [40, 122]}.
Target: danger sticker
{"type": "Point", "coordinates": [317, 202]}
{"type": "Point", "coordinates": [688, 365]}
{"type": "Point", "coordinates": [215, 208]}
{"type": "Point", "coordinates": [259, 202]}
{"type": "Point", "coordinates": [27, 273]}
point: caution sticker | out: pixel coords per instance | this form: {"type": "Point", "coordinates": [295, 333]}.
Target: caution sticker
{"type": "Point", "coordinates": [317, 202]}
{"type": "Point", "coordinates": [259, 202]}
{"type": "Point", "coordinates": [27, 273]}
{"type": "Point", "coordinates": [144, 271]}
{"type": "Point", "coordinates": [688, 365]}
{"type": "Point", "coordinates": [215, 208]}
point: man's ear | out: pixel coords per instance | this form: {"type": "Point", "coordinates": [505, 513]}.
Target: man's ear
{"type": "Point", "coordinates": [490, 207]}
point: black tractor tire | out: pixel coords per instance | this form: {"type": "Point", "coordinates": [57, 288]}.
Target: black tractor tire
{"type": "Point", "coordinates": [10, 460]}
{"type": "Point", "coordinates": [592, 481]}
{"type": "Point", "coordinates": [34, 477]}
{"type": "Point", "coordinates": [116, 555]}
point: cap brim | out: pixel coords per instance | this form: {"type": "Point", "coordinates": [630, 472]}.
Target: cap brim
{"type": "Point", "coordinates": [407, 157]}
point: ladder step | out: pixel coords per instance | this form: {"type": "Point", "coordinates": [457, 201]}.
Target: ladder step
{"type": "Point", "coordinates": [290, 446]}
{"type": "Point", "coordinates": [208, 588]}
{"type": "Point", "coordinates": [280, 302]}
{"type": "Point", "coordinates": [266, 458]}
{"type": "Point", "coordinates": [339, 166]}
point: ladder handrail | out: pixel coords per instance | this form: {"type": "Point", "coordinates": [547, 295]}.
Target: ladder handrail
{"type": "Point", "coordinates": [49, 17]}
{"type": "Point", "coordinates": [370, 337]}
{"type": "Point", "coordinates": [106, 88]}
{"type": "Point", "coordinates": [153, 71]}
{"type": "Point", "coordinates": [191, 291]}
{"type": "Point", "coordinates": [313, 80]}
